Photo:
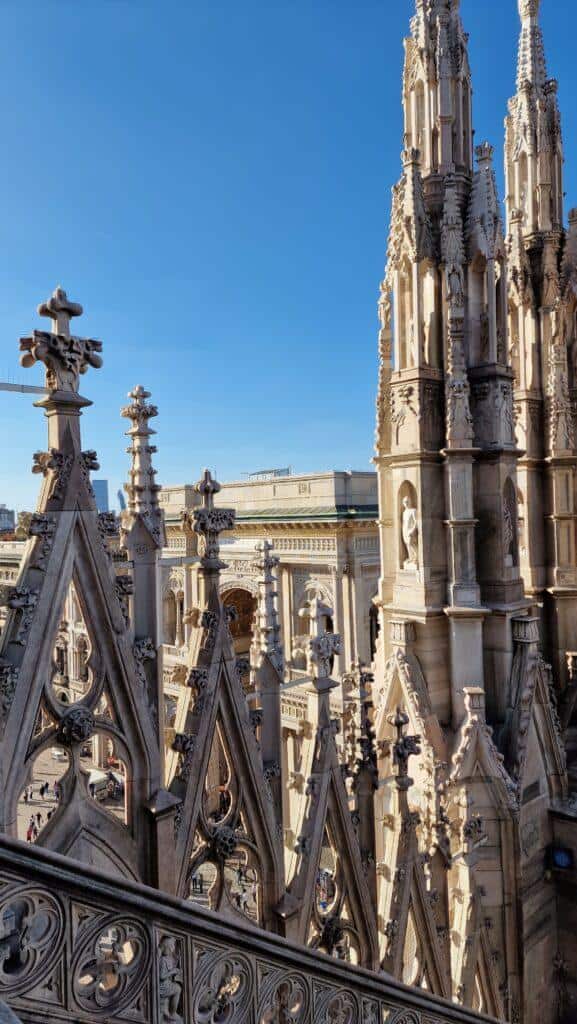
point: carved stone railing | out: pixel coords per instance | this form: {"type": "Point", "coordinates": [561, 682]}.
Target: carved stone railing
{"type": "Point", "coordinates": [78, 947]}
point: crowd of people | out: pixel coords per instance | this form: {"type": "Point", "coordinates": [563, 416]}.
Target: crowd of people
{"type": "Point", "coordinates": [47, 793]}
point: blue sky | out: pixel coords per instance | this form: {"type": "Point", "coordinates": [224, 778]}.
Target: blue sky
{"type": "Point", "coordinates": [212, 181]}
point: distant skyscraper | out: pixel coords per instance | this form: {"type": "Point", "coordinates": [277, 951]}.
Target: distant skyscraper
{"type": "Point", "coordinates": [121, 501]}
{"type": "Point", "coordinates": [101, 494]}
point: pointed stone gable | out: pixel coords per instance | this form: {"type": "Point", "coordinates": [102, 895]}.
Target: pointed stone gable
{"type": "Point", "coordinates": [66, 557]}
{"type": "Point", "coordinates": [226, 826]}
{"type": "Point", "coordinates": [327, 905]}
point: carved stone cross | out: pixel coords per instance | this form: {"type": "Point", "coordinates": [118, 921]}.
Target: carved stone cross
{"type": "Point", "coordinates": [323, 646]}
{"type": "Point", "coordinates": [60, 310]}
{"type": "Point", "coordinates": [209, 522]}
{"type": "Point", "coordinates": [64, 356]}
{"type": "Point", "coordinates": [404, 748]}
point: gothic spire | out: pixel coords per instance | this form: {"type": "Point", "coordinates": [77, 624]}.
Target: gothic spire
{"type": "Point", "coordinates": [534, 147]}
{"type": "Point", "coordinates": [65, 358]}
{"type": "Point", "coordinates": [266, 638]}
{"type": "Point", "coordinates": [208, 522]}
{"type": "Point", "coordinates": [141, 489]}
{"type": "Point", "coordinates": [531, 66]}
{"type": "Point", "coordinates": [437, 78]}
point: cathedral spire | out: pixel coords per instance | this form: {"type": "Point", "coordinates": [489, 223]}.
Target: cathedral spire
{"type": "Point", "coordinates": [142, 491]}
{"type": "Point", "coordinates": [266, 640]}
{"type": "Point", "coordinates": [531, 66]}
{"type": "Point", "coordinates": [534, 147]}
{"type": "Point", "coordinates": [437, 88]}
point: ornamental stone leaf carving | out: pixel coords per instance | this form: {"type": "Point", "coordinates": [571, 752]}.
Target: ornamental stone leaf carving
{"type": "Point", "coordinates": [8, 683]}
{"type": "Point", "coordinates": [65, 358]}
{"type": "Point", "coordinates": [56, 463]}
{"type": "Point", "coordinates": [76, 726]}
{"type": "Point", "coordinates": [43, 527]}
{"type": "Point", "coordinates": [24, 600]}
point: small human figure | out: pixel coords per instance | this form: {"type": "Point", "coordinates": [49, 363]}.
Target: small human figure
{"type": "Point", "coordinates": [25, 796]}
{"type": "Point", "coordinates": [410, 532]}
{"type": "Point", "coordinates": [39, 819]}
{"type": "Point", "coordinates": [170, 981]}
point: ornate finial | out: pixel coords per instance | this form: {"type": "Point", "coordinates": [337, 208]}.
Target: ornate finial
{"type": "Point", "coordinates": [142, 490]}
{"type": "Point", "coordinates": [266, 636]}
{"type": "Point", "coordinates": [528, 9]}
{"type": "Point", "coordinates": [484, 153]}
{"type": "Point", "coordinates": [207, 486]}
{"type": "Point", "coordinates": [531, 64]}
{"type": "Point", "coordinates": [323, 646]}
{"type": "Point", "coordinates": [209, 522]}
{"type": "Point", "coordinates": [404, 748]}
{"type": "Point", "coordinates": [60, 310]}
{"type": "Point", "coordinates": [64, 356]}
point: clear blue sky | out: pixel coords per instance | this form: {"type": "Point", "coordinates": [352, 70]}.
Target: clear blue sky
{"type": "Point", "coordinates": [212, 181]}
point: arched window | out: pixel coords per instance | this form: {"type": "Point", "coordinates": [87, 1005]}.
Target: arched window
{"type": "Point", "coordinates": [242, 625]}
{"type": "Point", "coordinates": [169, 615]}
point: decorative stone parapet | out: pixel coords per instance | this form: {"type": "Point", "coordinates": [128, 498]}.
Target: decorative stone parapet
{"type": "Point", "coordinates": [85, 947]}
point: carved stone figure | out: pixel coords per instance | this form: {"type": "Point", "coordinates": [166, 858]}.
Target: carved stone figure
{"type": "Point", "coordinates": [410, 534]}
{"type": "Point", "coordinates": [170, 981]}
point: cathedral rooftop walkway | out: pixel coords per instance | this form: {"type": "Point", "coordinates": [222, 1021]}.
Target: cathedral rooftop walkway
{"type": "Point", "coordinates": [79, 946]}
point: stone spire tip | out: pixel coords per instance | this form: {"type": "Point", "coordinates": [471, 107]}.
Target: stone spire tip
{"type": "Point", "coordinates": [60, 310]}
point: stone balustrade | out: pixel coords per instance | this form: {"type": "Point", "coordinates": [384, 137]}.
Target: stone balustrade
{"type": "Point", "coordinates": [78, 946]}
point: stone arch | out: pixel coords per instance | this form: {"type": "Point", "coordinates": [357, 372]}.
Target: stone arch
{"type": "Point", "coordinates": [408, 542]}
{"type": "Point", "coordinates": [313, 589]}
{"type": "Point", "coordinates": [169, 616]}
{"type": "Point", "coordinates": [244, 602]}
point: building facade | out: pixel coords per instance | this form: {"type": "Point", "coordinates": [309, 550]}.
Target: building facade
{"type": "Point", "coordinates": [476, 462]}
{"type": "Point", "coordinates": [323, 530]}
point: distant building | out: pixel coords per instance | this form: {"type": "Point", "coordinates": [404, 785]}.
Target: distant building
{"type": "Point", "coordinates": [101, 494]}
{"type": "Point", "coordinates": [270, 474]}
{"type": "Point", "coordinates": [7, 519]}
{"type": "Point", "coordinates": [121, 501]}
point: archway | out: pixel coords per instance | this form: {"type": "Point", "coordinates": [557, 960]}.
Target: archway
{"type": "Point", "coordinates": [169, 617]}
{"type": "Point", "coordinates": [241, 626]}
